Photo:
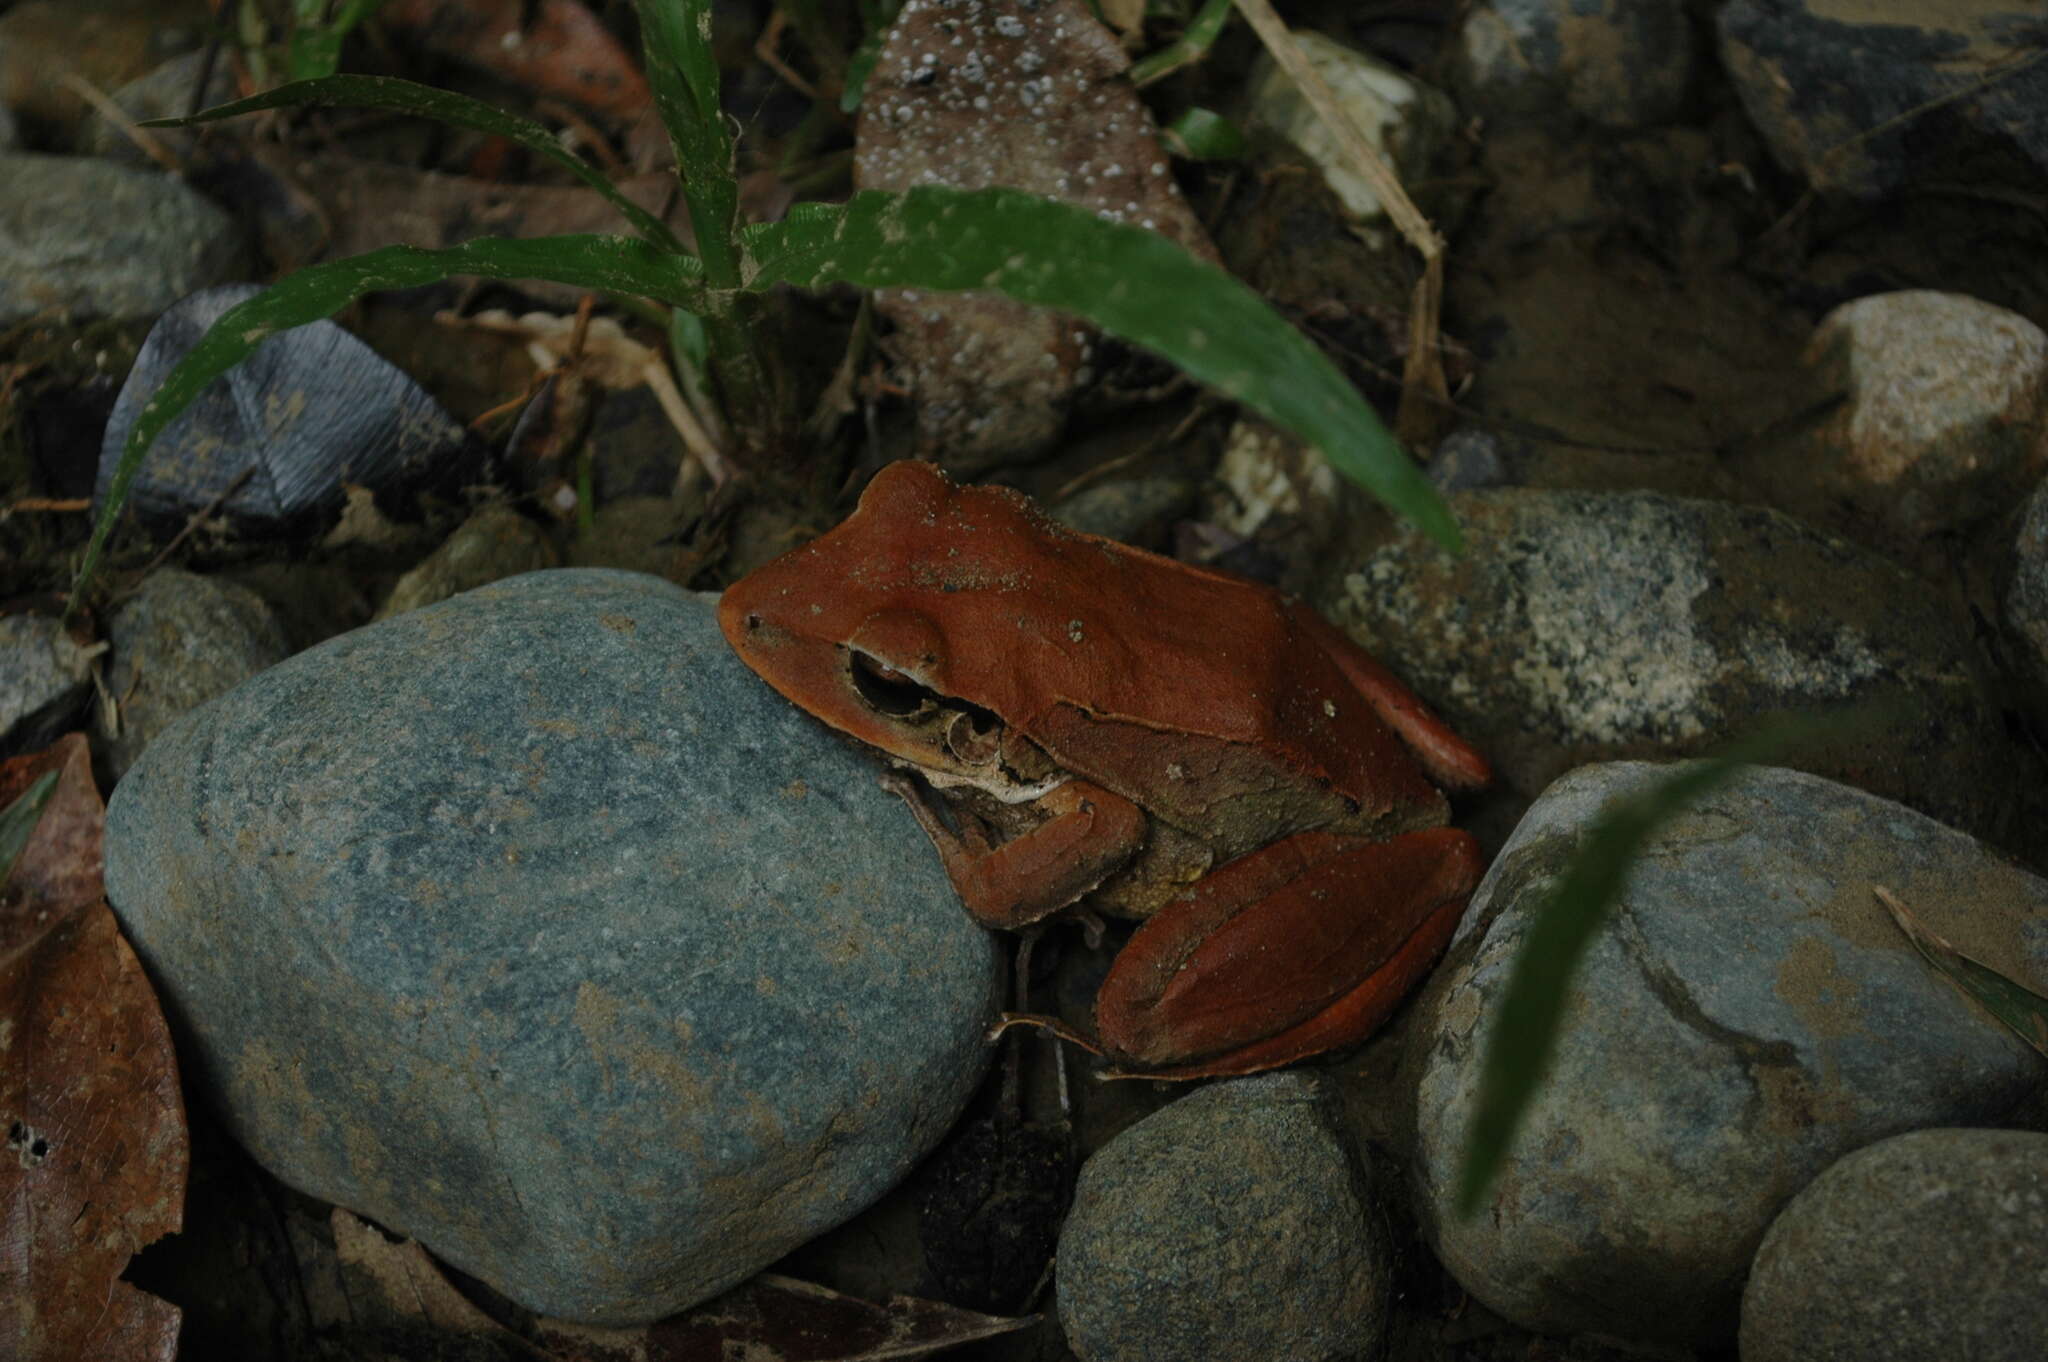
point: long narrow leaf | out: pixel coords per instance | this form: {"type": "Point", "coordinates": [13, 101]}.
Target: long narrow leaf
{"type": "Point", "coordinates": [1524, 1030]}
{"type": "Point", "coordinates": [2024, 1012]}
{"type": "Point", "coordinates": [611, 264]}
{"type": "Point", "coordinates": [683, 73]}
{"type": "Point", "coordinates": [424, 101]}
{"type": "Point", "coordinates": [1130, 282]}
{"type": "Point", "coordinates": [18, 822]}
{"type": "Point", "coordinates": [315, 48]}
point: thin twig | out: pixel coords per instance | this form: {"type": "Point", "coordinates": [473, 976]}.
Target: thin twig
{"type": "Point", "coordinates": [1423, 378]}
{"type": "Point", "coordinates": [148, 143]}
{"type": "Point", "coordinates": [198, 517]}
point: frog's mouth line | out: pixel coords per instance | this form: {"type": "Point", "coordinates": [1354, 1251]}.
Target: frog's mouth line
{"type": "Point", "coordinates": [951, 743]}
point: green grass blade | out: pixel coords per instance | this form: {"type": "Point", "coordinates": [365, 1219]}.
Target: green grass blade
{"type": "Point", "coordinates": [612, 264]}
{"type": "Point", "coordinates": [1194, 44]}
{"type": "Point", "coordinates": [1130, 282]}
{"type": "Point", "coordinates": [18, 822]}
{"type": "Point", "coordinates": [2023, 1011]}
{"type": "Point", "coordinates": [683, 73]}
{"type": "Point", "coordinates": [424, 101]}
{"type": "Point", "coordinates": [1524, 1032]}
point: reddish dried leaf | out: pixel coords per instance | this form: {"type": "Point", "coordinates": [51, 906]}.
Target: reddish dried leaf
{"type": "Point", "coordinates": [96, 1153]}
{"type": "Point", "coordinates": [1028, 94]}
{"type": "Point", "coordinates": [563, 51]}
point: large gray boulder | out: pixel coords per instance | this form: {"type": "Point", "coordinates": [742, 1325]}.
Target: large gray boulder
{"type": "Point", "coordinates": [1747, 1015]}
{"type": "Point", "coordinates": [533, 925]}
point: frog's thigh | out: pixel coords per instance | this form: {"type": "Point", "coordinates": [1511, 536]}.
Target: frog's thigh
{"type": "Point", "coordinates": [1294, 949]}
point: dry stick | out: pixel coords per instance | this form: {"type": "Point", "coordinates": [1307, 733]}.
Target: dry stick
{"type": "Point", "coordinates": [767, 48]}
{"type": "Point", "coordinates": [150, 145]}
{"type": "Point", "coordinates": [199, 516]}
{"type": "Point", "coordinates": [1833, 157]}
{"type": "Point", "coordinates": [1423, 388]}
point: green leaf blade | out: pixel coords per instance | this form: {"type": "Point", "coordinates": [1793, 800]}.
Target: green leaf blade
{"type": "Point", "coordinates": [424, 101]}
{"type": "Point", "coordinates": [682, 71]}
{"type": "Point", "coordinates": [2018, 1008]}
{"type": "Point", "coordinates": [1131, 282]}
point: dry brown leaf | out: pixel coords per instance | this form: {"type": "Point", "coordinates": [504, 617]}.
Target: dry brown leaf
{"type": "Point", "coordinates": [1032, 96]}
{"type": "Point", "coordinates": [555, 47]}
{"type": "Point", "coordinates": [96, 1148]}
{"type": "Point", "coordinates": [397, 1285]}
{"type": "Point", "coordinates": [779, 1319]}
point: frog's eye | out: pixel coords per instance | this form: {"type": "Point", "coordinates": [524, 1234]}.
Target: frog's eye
{"type": "Point", "coordinates": [886, 690]}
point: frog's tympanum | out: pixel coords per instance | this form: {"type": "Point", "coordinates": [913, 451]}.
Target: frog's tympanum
{"type": "Point", "coordinates": [1157, 740]}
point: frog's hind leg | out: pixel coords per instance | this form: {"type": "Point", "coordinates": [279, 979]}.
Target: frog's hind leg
{"type": "Point", "coordinates": [1298, 948]}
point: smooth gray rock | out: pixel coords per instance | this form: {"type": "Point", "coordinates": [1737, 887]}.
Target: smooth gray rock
{"type": "Point", "coordinates": [495, 543]}
{"type": "Point", "coordinates": [1590, 626]}
{"type": "Point", "coordinates": [1866, 99]}
{"type": "Point", "coordinates": [167, 91]}
{"type": "Point", "coordinates": [1134, 510]}
{"type": "Point", "coordinates": [533, 925]}
{"type": "Point", "coordinates": [44, 677]}
{"type": "Point", "coordinates": [1748, 1015]}
{"type": "Point", "coordinates": [93, 239]}
{"type": "Point", "coordinates": [178, 642]}
{"type": "Point", "coordinates": [1233, 1224]}
{"type": "Point", "coordinates": [1617, 63]}
{"type": "Point", "coordinates": [1926, 1247]}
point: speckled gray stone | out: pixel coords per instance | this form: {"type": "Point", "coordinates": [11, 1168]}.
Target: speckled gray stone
{"type": "Point", "coordinates": [1926, 1247]}
{"type": "Point", "coordinates": [1749, 1015]}
{"type": "Point", "coordinates": [94, 239]}
{"type": "Point", "coordinates": [1233, 1224]}
{"type": "Point", "coordinates": [178, 642]}
{"type": "Point", "coordinates": [1591, 626]}
{"type": "Point", "coordinates": [533, 925]}
{"type": "Point", "coordinates": [1944, 418]}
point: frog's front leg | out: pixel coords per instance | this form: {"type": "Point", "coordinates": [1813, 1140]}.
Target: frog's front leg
{"type": "Point", "coordinates": [1088, 835]}
{"type": "Point", "coordinates": [1296, 948]}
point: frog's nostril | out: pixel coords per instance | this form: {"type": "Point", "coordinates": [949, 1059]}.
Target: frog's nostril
{"type": "Point", "coordinates": [753, 621]}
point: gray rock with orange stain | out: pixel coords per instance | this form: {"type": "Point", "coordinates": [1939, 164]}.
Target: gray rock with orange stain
{"type": "Point", "coordinates": [1748, 1015]}
{"type": "Point", "coordinates": [533, 925]}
